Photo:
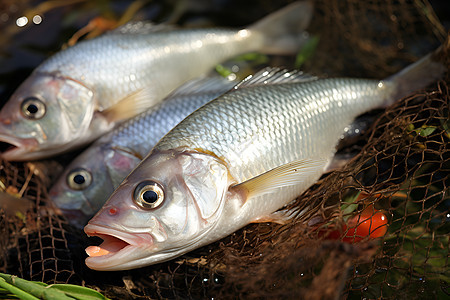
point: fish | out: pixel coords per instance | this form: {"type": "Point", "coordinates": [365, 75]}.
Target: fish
{"type": "Point", "coordinates": [84, 91]}
{"type": "Point", "coordinates": [238, 159]}
{"type": "Point", "coordinates": [92, 176]}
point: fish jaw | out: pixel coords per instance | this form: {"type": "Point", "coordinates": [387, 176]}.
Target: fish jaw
{"type": "Point", "coordinates": [185, 220]}
{"type": "Point", "coordinates": [119, 251]}
{"type": "Point", "coordinates": [18, 149]}
{"type": "Point", "coordinates": [25, 149]}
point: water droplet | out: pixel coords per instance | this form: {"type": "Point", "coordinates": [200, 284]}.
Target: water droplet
{"type": "Point", "coordinates": [37, 19]}
{"type": "Point", "coordinates": [243, 33]}
{"type": "Point", "coordinates": [231, 77]}
{"type": "Point", "coordinates": [22, 21]}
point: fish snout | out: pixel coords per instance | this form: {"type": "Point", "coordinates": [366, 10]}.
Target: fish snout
{"type": "Point", "coordinates": [107, 215]}
{"type": "Point", "coordinates": [14, 148]}
{"type": "Point", "coordinates": [6, 121]}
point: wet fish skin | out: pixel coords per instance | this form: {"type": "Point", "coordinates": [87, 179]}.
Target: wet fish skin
{"type": "Point", "coordinates": [240, 131]}
{"type": "Point", "coordinates": [105, 164]}
{"type": "Point", "coordinates": [234, 161]}
{"type": "Point", "coordinates": [84, 91]}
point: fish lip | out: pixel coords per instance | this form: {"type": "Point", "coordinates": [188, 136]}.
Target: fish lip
{"type": "Point", "coordinates": [20, 146]}
{"type": "Point", "coordinates": [132, 239]}
{"type": "Point", "coordinates": [112, 260]}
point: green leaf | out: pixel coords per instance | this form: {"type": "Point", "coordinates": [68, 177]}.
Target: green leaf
{"type": "Point", "coordinates": [307, 51]}
{"type": "Point", "coordinates": [446, 126]}
{"type": "Point", "coordinates": [426, 130]}
{"type": "Point", "coordinates": [223, 71]}
{"type": "Point", "coordinates": [348, 205]}
{"type": "Point", "coordinates": [78, 292]}
{"type": "Point", "coordinates": [254, 57]}
{"type": "Point", "coordinates": [25, 289]}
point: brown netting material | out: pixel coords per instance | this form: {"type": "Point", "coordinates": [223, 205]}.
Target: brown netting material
{"type": "Point", "coordinates": [401, 167]}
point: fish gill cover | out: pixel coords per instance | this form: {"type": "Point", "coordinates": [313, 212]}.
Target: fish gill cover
{"type": "Point", "coordinates": [398, 182]}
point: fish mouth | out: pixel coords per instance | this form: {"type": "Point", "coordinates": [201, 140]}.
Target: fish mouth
{"type": "Point", "coordinates": [12, 148]}
{"type": "Point", "coordinates": [117, 249]}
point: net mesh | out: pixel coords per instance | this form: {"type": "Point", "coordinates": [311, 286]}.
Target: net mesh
{"type": "Point", "coordinates": [401, 169]}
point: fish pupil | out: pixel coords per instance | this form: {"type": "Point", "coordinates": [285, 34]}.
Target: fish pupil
{"type": "Point", "coordinates": [79, 179]}
{"type": "Point", "coordinates": [150, 196]}
{"type": "Point", "coordinates": [32, 109]}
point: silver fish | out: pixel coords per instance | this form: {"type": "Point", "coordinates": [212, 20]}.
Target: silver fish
{"type": "Point", "coordinates": [236, 160]}
{"type": "Point", "coordinates": [82, 92]}
{"type": "Point", "coordinates": [91, 177]}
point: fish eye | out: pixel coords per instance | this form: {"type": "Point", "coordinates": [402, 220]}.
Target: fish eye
{"type": "Point", "coordinates": [33, 108]}
{"type": "Point", "coordinates": [148, 195]}
{"type": "Point", "coordinates": [79, 179]}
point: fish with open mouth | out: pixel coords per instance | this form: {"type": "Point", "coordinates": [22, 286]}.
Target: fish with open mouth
{"type": "Point", "coordinates": [82, 92]}
{"type": "Point", "coordinates": [92, 176]}
{"type": "Point", "coordinates": [236, 160]}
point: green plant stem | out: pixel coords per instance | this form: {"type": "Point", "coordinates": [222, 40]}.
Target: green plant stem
{"type": "Point", "coordinates": [16, 291]}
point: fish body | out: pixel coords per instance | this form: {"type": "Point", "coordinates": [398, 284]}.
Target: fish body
{"type": "Point", "coordinates": [234, 161]}
{"type": "Point", "coordinates": [91, 177]}
{"type": "Point", "coordinates": [82, 92]}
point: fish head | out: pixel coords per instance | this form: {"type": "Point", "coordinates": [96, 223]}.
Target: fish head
{"type": "Point", "coordinates": [163, 209]}
{"type": "Point", "coordinates": [45, 113]}
{"type": "Point", "coordinates": [89, 180]}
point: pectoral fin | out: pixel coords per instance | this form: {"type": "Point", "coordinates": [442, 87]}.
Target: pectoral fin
{"type": "Point", "coordinates": [130, 106]}
{"type": "Point", "coordinates": [280, 217]}
{"type": "Point", "coordinates": [294, 173]}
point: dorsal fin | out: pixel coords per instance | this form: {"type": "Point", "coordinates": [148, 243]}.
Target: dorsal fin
{"type": "Point", "coordinates": [203, 85]}
{"type": "Point", "coordinates": [269, 76]}
{"type": "Point", "coordinates": [141, 27]}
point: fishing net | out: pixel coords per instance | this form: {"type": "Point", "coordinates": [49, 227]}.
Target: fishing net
{"type": "Point", "coordinates": [400, 169]}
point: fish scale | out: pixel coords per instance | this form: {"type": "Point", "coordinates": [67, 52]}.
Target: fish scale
{"type": "Point", "coordinates": [112, 157]}
{"type": "Point", "coordinates": [146, 130]}
{"type": "Point", "coordinates": [84, 91]}
{"type": "Point", "coordinates": [262, 127]}
{"type": "Point", "coordinates": [90, 62]}
{"type": "Point", "coordinates": [237, 160]}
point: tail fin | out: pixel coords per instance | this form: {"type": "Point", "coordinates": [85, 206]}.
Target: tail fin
{"type": "Point", "coordinates": [284, 30]}
{"type": "Point", "coordinates": [420, 74]}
